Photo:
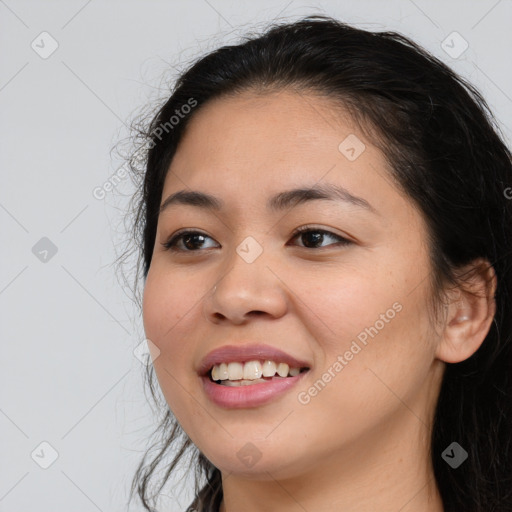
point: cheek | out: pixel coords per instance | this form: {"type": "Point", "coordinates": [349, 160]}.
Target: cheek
{"type": "Point", "coordinates": [360, 386]}
{"type": "Point", "coordinates": [373, 335]}
{"type": "Point", "coordinates": [164, 306]}
{"type": "Point", "coordinates": [167, 315]}
{"type": "Point", "coordinates": [343, 302]}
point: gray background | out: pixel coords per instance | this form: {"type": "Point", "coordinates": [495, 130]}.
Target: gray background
{"type": "Point", "coordinates": [69, 375]}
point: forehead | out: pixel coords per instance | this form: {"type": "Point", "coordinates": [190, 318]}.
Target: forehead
{"type": "Point", "coordinates": [292, 116]}
{"type": "Point", "coordinates": [249, 147]}
{"type": "Point", "coordinates": [285, 133]}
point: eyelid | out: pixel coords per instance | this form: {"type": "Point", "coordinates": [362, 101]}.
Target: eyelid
{"type": "Point", "coordinates": [322, 229]}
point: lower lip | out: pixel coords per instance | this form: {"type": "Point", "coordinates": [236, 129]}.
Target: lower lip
{"type": "Point", "coordinates": [252, 395]}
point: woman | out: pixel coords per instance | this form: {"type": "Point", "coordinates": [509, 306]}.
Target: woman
{"type": "Point", "coordinates": [326, 239]}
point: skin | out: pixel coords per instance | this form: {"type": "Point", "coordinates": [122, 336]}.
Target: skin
{"type": "Point", "coordinates": [361, 443]}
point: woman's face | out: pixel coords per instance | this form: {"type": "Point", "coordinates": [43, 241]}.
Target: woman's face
{"type": "Point", "coordinates": [348, 299]}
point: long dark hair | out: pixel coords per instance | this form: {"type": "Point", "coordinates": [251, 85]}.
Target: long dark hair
{"type": "Point", "coordinates": [446, 151]}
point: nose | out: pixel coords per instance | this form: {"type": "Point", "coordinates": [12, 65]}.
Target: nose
{"type": "Point", "coordinates": [246, 290]}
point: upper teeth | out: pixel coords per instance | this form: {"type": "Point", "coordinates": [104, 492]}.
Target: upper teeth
{"type": "Point", "coordinates": [251, 370]}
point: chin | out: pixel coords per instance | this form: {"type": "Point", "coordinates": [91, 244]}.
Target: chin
{"type": "Point", "coordinates": [254, 464]}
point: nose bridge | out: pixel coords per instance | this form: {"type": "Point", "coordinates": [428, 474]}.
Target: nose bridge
{"type": "Point", "coordinates": [248, 285]}
{"type": "Point", "coordinates": [247, 264]}
{"type": "Point", "coordinates": [250, 249]}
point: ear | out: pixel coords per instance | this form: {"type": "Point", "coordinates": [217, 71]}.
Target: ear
{"type": "Point", "coordinates": [469, 313]}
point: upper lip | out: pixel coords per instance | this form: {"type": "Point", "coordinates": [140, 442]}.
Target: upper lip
{"type": "Point", "coordinates": [243, 353]}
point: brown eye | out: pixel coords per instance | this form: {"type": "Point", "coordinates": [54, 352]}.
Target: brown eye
{"type": "Point", "coordinates": [313, 237]}
{"type": "Point", "coordinates": [190, 241]}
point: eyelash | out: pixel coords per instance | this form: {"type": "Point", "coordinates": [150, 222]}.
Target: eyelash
{"type": "Point", "coordinates": [172, 242]}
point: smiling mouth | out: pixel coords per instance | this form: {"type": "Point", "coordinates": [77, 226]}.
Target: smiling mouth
{"type": "Point", "coordinates": [235, 374]}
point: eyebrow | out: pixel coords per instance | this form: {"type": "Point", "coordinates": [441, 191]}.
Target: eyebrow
{"type": "Point", "coordinates": [278, 202]}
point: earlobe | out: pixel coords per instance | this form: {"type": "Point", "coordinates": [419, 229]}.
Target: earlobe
{"type": "Point", "coordinates": [470, 313]}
